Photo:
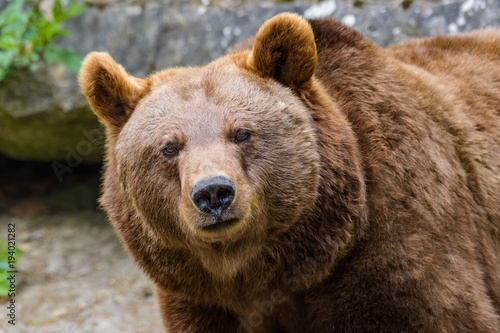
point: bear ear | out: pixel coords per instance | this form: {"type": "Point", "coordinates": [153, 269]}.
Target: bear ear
{"type": "Point", "coordinates": [284, 49]}
{"type": "Point", "coordinates": [111, 92]}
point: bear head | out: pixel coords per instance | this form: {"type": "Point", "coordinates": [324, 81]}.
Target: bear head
{"type": "Point", "coordinates": [217, 161]}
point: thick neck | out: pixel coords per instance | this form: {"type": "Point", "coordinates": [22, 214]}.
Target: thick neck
{"type": "Point", "coordinates": [337, 219]}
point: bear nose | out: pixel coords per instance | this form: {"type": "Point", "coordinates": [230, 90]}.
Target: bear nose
{"type": "Point", "coordinates": [213, 195]}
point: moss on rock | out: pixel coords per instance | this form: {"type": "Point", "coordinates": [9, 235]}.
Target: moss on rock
{"type": "Point", "coordinates": [43, 117]}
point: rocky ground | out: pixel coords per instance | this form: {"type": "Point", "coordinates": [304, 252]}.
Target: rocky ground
{"type": "Point", "coordinates": [74, 274]}
{"type": "Point", "coordinates": [75, 277]}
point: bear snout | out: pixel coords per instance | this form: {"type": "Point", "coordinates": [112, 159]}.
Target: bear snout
{"type": "Point", "coordinates": [213, 196]}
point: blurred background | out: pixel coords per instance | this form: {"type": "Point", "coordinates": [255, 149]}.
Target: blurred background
{"type": "Point", "coordinates": [73, 274]}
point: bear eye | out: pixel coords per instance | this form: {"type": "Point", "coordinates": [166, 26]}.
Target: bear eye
{"type": "Point", "coordinates": [170, 150]}
{"type": "Point", "coordinates": [241, 135]}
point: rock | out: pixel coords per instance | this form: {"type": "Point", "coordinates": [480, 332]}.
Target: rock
{"type": "Point", "coordinates": [44, 117]}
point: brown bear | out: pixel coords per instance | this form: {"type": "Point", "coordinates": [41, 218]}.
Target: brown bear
{"type": "Point", "coordinates": [311, 182]}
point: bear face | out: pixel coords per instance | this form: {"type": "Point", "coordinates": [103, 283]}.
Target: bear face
{"type": "Point", "coordinates": [192, 129]}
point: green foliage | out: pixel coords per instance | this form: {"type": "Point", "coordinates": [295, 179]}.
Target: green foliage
{"type": "Point", "coordinates": [4, 267]}
{"type": "Point", "coordinates": [27, 34]}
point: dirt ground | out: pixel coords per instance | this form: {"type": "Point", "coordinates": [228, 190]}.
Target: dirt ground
{"type": "Point", "coordinates": [74, 275]}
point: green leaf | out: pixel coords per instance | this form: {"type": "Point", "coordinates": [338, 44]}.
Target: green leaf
{"type": "Point", "coordinates": [58, 12]}
{"type": "Point", "coordinates": [59, 31]}
{"type": "Point", "coordinates": [42, 29]}
{"type": "Point", "coordinates": [72, 60]}
{"type": "Point", "coordinates": [9, 42]}
{"type": "Point", "coordinates": [6, 59]}
{"type": "Point", "coordinates": [12, 13]}
{"type": "Point", "coordinates": [52, 53]}
{"type": "Point", "coordinates": [4, 288]}
{"type": "Point", "coordinates": [16, 27]}
{"type": "Point", "coordinates": [4, 265]}
{"type": "Point", "coordinates": [72, 10]}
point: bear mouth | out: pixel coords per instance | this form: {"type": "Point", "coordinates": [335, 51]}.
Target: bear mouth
{"type": "Point", "coordinates": [220, 225]}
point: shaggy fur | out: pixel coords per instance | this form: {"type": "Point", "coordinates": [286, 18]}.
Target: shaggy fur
{"type": "Point", "coordinates": [367, 193]}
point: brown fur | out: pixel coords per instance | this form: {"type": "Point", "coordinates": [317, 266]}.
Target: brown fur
{"type": "Point", "coordinates": [368, 194]}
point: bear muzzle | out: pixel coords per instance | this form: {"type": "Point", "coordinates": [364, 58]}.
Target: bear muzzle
{"type": "Point", "coordinates": [213, 196]}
